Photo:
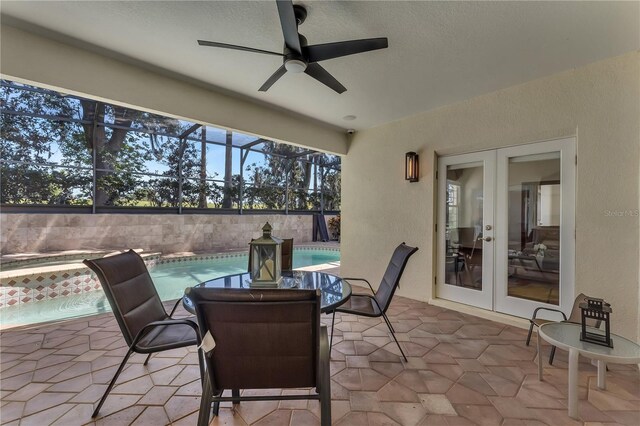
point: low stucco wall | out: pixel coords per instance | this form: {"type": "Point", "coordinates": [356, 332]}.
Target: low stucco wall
{"type": "Point", "coordinates": [26, 233]}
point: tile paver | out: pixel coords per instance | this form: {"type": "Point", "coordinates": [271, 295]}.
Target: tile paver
{"type": "Point", "coordinates": [462, 370]}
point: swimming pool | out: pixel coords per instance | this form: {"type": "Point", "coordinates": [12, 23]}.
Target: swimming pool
{"type": "Point", "coordinates": [170, 276]}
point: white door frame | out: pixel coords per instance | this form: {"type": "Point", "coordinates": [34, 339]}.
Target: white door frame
{"type": "Point", "coordinates": [523, 307]}
{"type": "Point", "coordinates": [493, 295]}
{"type": "Point", "coordinates": [481, 298]}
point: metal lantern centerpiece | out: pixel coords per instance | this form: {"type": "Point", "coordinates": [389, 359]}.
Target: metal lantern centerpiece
{"type": "Point", "coordinates": [266, 259]}
{"type": "Point", "coordinates": [599, 310]}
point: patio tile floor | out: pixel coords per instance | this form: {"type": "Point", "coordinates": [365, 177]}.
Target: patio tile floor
{"type": "Point", "coordinates": [462, 370]}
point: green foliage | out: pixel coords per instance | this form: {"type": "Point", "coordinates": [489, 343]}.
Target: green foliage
{"type": "Point", "coordinates": [32, 144]}
{"type": "Point", "coordinates": [334, 227]}
{"type": "Point", "coordinates": [331, 189]}
{"type": "Point", "coordinates": [267, 190]}
{"type": "Point", "coordinates": [51, 160]}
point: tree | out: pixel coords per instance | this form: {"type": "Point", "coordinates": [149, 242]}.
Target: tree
{"type": "Point", "coordinates": [268, 186]}
{"type": "Point", "coordinates": [50, 142]}
{"type": "Point", "coordinates": [202, 192]}
{"type": "Point", "coordinates": [107, 142]}
{"type": "Point", "coordinates": [269, 180]}
{"type": "Point", "coordinates": [38, 135]}
{"type": "Point", "coordinates": [181, 158]}
{"type": "Point", "coordinates": [29, 146]}
{"type": "Point", "coordinates": [228, 157]}
{"type": "Point", "coordinates": [331, 189]}
{"type": "Point", "coordinates": [302, 203]}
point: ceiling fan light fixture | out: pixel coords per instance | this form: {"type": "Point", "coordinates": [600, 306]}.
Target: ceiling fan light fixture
{"type": "Point", "coordinates": [295, 65]}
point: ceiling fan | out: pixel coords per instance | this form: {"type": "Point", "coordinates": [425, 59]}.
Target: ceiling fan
{"type": "Point", "coordinates": [297, 56]}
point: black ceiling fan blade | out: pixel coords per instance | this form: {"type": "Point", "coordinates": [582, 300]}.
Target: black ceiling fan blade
{"type": "Point", "coordinates": [274, 77]}
{"type": "Point", "coordinates": [289, 25]}
{"type": "Point", "coordinates": [235, 47]}
{"type": "Point", "coordinates": [316, 71]}
{"type": "Point", "coordinates": [322, 52]}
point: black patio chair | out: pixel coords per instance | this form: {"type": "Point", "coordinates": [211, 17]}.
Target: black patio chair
{"type": "Point", "coordinates": [376, 305]}
{"type": "Point", "coordinates": [262, 339]}
{"type": "Point", "coordinates": [144, 323]}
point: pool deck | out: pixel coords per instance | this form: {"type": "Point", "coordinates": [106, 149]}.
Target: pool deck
{"type": "Point", "coordinates": [462, 370]}
{"type": "Point", "coordinates": [314, 244]}
{"type": "Point", "coordinates": [44, 256]}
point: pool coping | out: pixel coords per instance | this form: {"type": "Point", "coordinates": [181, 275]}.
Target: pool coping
{"type": "Point", "coordinates": [32, 285]}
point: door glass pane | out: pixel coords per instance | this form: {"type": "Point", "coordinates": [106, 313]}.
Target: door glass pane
{"type": "Point", "coordinates": [534, 227]}
{"type": "Point", "coordinates": [464, 225]}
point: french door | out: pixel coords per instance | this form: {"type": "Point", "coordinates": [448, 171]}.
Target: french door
{"type": "Point", "coordinates": [465, 228]}
{"type": "Point", "coordinates": [506, 233]}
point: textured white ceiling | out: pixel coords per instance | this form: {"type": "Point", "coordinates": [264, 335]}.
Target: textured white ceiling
{"type": "Point", "coordinates": [439, 52]}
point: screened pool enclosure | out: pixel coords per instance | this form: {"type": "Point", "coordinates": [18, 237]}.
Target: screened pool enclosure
{"type": "Point", "coordinates": [61, 153]}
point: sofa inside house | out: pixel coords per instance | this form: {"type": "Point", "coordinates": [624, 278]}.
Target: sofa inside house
{"type": "Point", "coordinates": [550, 237]}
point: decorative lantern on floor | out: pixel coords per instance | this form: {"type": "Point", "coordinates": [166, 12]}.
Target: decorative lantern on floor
{"type": "Point", "coordinates": [266, 259]}
{"type": "Point", "coordinates": [599, 310]}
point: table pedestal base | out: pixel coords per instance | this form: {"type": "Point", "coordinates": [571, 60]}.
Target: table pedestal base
{"type": "Point", "coordinates": [602, 375]}
{"type": "Point", "coordinates": [538, 348]}
{"type": "Point", "coordinates": [573, 384]}
{"type": "Point", "coordinates": [573, 378]}
{"type": "Point", "coordinates": [566, 336]}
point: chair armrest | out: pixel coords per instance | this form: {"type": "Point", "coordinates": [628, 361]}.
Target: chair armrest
{"type": "Point", "coordinates": [548, 309]}
{"type": "Point", "coordinates": [323, 359]}
{"type": "Point", "coordinates": [372, 290]}
{"type": "Point", "coordinates": [324, 342]}
{"type": "Point", "coordinates": [172, 321]}
{"type": "Point", "coordinates": [361, 279]}
{"type": "Point", "coordinates": [175, 307]}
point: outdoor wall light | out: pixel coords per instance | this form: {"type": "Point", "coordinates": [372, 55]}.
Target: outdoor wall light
{"type": "Point", "coordinates": [411, 167]}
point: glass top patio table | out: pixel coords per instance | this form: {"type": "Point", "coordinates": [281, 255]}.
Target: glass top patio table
{"type": "Point", "coordinates": [334, 291]}
{"type": "Point", "coordinates": [566, 335]}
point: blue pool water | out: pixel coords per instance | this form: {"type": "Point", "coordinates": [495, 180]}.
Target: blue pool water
{"type": "Point", "coordinates": [170, 280]}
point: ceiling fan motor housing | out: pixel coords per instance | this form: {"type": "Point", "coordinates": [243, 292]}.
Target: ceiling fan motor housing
{"type": "Point", "coordinates": [293, 61]}
{"type": "Point", "coordinates": [300, 12]}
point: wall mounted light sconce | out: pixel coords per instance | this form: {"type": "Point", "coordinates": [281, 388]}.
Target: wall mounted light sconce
{"type": "Point", "coordinates": [411, 167]}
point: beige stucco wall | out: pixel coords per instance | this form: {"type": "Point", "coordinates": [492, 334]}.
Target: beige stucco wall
{"type": "Point", "coordinates": [599, 104]}
{"type": "Point", "coordinates": [168, 233]}
{"type": "Point", "coordinates": [30, 58]}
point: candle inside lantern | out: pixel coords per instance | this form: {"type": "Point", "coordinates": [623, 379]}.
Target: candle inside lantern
{"type": "Point", "coordinates": [266, 270]}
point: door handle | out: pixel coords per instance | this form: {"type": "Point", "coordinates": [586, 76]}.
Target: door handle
{"type": "Point", "coordinates": [488, 239]}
